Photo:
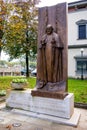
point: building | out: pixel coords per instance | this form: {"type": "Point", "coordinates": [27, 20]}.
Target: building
{"type": "Point", "coordinates": [10, 71]}
{"type": "Point", "coordinates": [77, 39]}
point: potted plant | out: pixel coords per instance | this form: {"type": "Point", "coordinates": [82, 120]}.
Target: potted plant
{"type": "Point", "coordinates": [19, 83]}
{"type": "Point", "coordinates": [2, 92]}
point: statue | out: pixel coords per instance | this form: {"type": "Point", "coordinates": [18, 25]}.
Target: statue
{"type": "Point", "coordinates": [51, 58]}
{"type": "Point", "coordinates": [51, 78]}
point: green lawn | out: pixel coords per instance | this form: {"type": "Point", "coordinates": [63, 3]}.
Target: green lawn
{"type": "Point", "coordinates": [76, 86]}
{"type": "Point", "coordinates": [79, 88]}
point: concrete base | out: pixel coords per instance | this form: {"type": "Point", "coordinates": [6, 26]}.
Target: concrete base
{"type": "Point", "coordinates": [73, 121]}
{"type": "Point", "coordinates": [48, 106]}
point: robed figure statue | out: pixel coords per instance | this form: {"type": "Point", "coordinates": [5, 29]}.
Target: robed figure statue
{"type": "Point", "coordinates": [50, 76]}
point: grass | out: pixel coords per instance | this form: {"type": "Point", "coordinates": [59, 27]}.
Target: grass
{"type": "Point", "coordinates": [76, 86]}
{"type": "Point", "coordinates": [79, 88]}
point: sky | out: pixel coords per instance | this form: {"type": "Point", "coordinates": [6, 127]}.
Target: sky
{"type": "Point", "coordinates": [53, 2]}
{"type": "Point", "coordinates": [42, 4]}
{"type": "Point", "coordinates": [4, 56]}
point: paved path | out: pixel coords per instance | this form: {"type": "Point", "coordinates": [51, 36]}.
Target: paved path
{"type": "Point", "coordinates": [11, 121]}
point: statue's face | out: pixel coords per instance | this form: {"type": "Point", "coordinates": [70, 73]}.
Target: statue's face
{"type": "Point", "coordinates": [49, 30]}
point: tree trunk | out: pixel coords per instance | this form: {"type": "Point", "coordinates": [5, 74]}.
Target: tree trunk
{"type": "Point", "coordinates": [27, 65]}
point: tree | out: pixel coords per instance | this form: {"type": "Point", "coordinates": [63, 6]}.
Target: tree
{"type": "Point", "coordinates": [20, 33]}
{"type": "Point", "coordinates": [2, 14]}
{"type": "Point", "coordinates": [3, 63]}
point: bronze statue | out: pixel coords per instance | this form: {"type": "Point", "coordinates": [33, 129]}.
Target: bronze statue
{"type": "Point", "coordinates": [51, 61]}
{"type": "Point", "coordinates": [52, 49]}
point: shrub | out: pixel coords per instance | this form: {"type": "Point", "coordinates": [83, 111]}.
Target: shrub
{"type": "Point", "coordinates": [19, 80]}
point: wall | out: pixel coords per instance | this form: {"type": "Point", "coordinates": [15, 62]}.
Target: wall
{"type": "Point", "coordinates": [73, 17]}
{"type": "Point", "coordinates": [71, 60]}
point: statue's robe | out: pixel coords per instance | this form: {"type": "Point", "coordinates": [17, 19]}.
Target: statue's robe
{"type": "Point", "coordinates": [50, 61]}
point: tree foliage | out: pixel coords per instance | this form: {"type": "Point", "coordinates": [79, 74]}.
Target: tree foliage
{"type": "Point", "coordinates": [20, 32]}
{"type": "Point", "coordinates": [21, 28]}
{"type": "Point", "coordinates": [3, 63]}
{"type": "Point", "coordinates": [2, 16]}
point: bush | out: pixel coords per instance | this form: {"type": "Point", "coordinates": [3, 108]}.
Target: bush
{"type": "Point", "coordinates": [19, 80]}
{"type": "Point", "coordinates": [2, 92]}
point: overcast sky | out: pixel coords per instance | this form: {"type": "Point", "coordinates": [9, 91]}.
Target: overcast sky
{"type": "Point", "coordinates": [53, 2]}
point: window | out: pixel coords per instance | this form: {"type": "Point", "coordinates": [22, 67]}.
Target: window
{"type": "Point", "coordinates": [82, 29]}
{"type": "Point", "coordinates": [81, 63]}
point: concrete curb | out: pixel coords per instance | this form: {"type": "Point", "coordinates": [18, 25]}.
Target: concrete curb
{"type": "Point", "coordinates": [80, 105]}
{"type": "Point", "coordinates": [2, 98]}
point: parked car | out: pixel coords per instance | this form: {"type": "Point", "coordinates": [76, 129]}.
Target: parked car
{"type": "Point", "coordinates": [23, 71]}
{"type": "Point", "coordinates": [34, 72]}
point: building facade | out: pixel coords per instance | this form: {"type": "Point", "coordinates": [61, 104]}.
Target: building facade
{"type": "Point", "coordinates": [10, 71]}
{"type": "Point", "coordinates": [77, 39]}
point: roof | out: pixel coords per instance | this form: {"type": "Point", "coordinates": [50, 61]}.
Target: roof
{"type": "Point", "coordinates": [81, 2]}
{"type": "Point", "coordinates": [10, 69]}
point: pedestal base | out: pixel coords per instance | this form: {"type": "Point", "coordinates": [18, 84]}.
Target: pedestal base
{"type": "Point", "coordinates": [46, 94]}
{"type": "Point", "coordinates": [73, 121]}
{"type": "Point", "coordinates": [49, 106]}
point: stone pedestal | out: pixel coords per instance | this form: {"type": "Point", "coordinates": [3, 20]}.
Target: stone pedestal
{"type": "Point", "coordinates": [49, 94]}
{"type": "Point", "coordinates": [49, 106]}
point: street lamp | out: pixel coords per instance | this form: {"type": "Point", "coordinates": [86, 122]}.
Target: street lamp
{"type": "Point", "coordinates": [82, 50]}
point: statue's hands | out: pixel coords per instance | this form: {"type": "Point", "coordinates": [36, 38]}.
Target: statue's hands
{"type": "Point", "coordinates": [53, 42]}
{"type": "Point", "coordinates": [43, 40]}
{"type": "Point", "coordinates": [40, 46]}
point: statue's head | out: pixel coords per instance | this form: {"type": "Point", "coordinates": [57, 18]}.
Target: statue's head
{"type": "Point", "coordinates": [49, 29]}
